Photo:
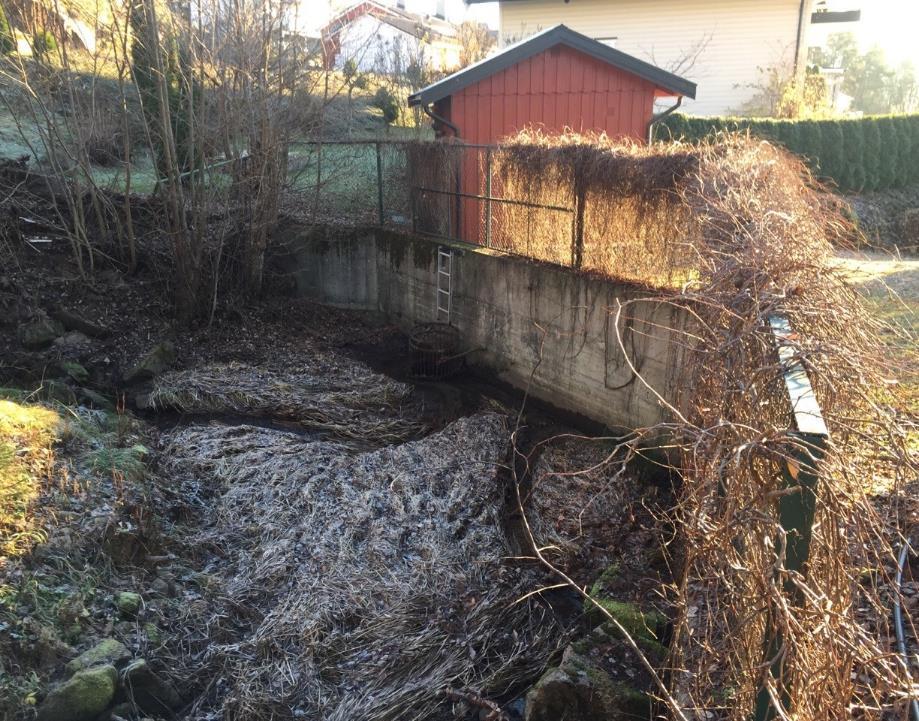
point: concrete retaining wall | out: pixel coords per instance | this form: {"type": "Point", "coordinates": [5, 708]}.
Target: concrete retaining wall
{"type": "Point", "coordinates": [532, 323]}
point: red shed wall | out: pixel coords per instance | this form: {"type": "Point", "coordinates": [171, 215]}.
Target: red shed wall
{"type": "Point", "coordinates": [557, 88]}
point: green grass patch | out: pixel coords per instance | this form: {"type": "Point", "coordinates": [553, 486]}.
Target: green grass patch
{"type": "Point", "coordinates": [27, 436]}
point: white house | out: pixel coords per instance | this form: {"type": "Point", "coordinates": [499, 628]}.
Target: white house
{"type": "Point", "coordinates": [727, 47]}
{"type": "Point", "coordinates": [385, 39]}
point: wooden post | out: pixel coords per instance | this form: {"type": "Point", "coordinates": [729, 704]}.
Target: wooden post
{"type": "Point", "coordinates": [809, 439]}
{"type": "Point", "coordinates": [488, 197]}
{"type": "Point", "coordinates": [380, 185]}
{"type": "Point", "coordinates": [577, 243]}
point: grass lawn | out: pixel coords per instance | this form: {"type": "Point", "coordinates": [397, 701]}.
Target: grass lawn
{"type": "Point", "coordinates": [891, 287]}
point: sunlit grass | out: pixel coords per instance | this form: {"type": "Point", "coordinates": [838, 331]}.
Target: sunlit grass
{"type": "Point", "coordinates": [27, 435]}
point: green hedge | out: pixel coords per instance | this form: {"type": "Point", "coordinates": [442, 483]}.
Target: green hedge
{"type": "Point", "coordinates": [868, 153]}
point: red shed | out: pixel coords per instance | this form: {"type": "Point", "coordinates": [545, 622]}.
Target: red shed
{"type": "Point", "coordinates": [556, 79]}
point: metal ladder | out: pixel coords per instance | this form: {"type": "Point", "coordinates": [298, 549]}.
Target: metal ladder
{"type": "Point", "coordinates": [444, 283]}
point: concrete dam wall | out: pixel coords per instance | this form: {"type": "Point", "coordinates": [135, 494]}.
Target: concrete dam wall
{"type": "Point", "coordinates": [535, 325]}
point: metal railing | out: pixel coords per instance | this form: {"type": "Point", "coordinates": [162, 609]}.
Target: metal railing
{"type": "Point", "coordinates": [371, 182]}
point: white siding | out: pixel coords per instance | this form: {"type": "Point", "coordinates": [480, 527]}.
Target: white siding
{"type": "Point", "coordinates": [378, 47]}
{"type": "Point", "coordinates": [744, 37]}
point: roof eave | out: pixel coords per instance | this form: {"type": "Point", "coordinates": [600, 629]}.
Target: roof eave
{"type": "Point", "coordinates": [558, 35]}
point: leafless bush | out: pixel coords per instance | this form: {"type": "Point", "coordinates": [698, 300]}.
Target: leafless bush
{"type": "Point", "coordinates": [736, 233]}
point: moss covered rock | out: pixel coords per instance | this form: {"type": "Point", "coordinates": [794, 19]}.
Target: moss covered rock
{"type": "Point", "coordinates": [40, 332]}
{"type": "Point", "coordinates": [128, 603]}
{"type": "Point", "coordinates": [580, 690]}
{"type": "Point", "coordinates": [638, 623]}
{"type": "Point", "coordinates": [158, 360]}
{"type": "Point", "coordinates": [82, 698]}
{"type": "Point", "coordinates": [107, 652]}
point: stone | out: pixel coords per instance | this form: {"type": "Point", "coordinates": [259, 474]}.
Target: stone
{"type": "Point", "coordinates": [158, 360]}
{"type": "Point", "coordinates": [74, 345]}
{"type": "Point", "coordinates": [124, 710]}
{"type": "Point", "coordinates": [39, 332]}
{"type": "Point", "coordinates": [95, 399]}
{"type": "Point", "coordinates": [163, 587]}
{"type": "Point", "coordinates": [58, 390]}
{"type": "Point", "coordinates": [153, 633]}
{"type": "Point", "coordinates": [151, 694]}
{"type": "Point", "coordinates": [75, 371]}
{"type": "Point", "coordinates": [128, 603]}
{"type": "Point", "coordinates": [87, 694]}
{"type": "Point", "coordinates": [578, 690]}
{"type": "Point", "coordinates": [73, 322]}
{"type": "Point", "coordinates": [109, 651]}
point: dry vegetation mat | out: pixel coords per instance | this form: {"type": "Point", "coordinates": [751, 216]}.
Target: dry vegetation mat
{"type": "Point", "coordinates": [326, 393]}
{"type": "Point", "coordinates": [359, 585]}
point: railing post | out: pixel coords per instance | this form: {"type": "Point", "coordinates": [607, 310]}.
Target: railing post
{"type": "Point", "coordinates": [380, 185]}
{"type": "Point", "coordinates": [809, 439]}
{"type": "Point", "coordinates": [577, 242]}
{"type": "Point", "coordinates": [488, 197]}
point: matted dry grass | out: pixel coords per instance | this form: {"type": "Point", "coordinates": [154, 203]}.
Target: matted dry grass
{"type": "Point", "coordinates": [359, 584]}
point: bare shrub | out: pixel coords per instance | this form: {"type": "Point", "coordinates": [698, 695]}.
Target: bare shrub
{"type": "Point", "coordinates": [738, 234]}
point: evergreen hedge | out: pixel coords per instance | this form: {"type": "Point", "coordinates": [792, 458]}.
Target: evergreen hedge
{"type": "Point", "coordinates": [869, 153]}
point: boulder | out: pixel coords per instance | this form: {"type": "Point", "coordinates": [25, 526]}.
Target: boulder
{"type": "Point", "coordinates": [72, 321]}
{"type": "Point", "coordinates": [128, 603]}
{"type": "Point", "coordinates": [158, 360]}
{"type": "Point", "coordinates": [95, 399]}
{"type": "Point", "coordinates": [76, 371]}
{"type": "Point", "coordinates": [151, 694]}
{"type": "Point", "coordinates": [580, 690]}
{"type": "Point", "coordinates": [74, 345]}
{"type": "Point", "coordinates": [87, 694]}
{"type": "Point", "coordinates": [39, 332]}
{"type": "Point", "coordinates": [107, 652]}
{"type": "Point", "coordinates": [58, 390]}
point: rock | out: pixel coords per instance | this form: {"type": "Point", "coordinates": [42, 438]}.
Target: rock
{"type": "Point", "coordinates": [124, 710]}
{"type": "Point", "coordinates": [149, 692]}
{"type": "Point", "coordinates": [73, 345]}
{"type": "Point", "coordinates": [95, 399]}
{"type": "Point", "coordinates": [128, 603]}
{"type": "Point", "coordinates": [39, 332]}
{"type": "Point", "coordinates": [75, 371]}
{"type": "Point", "coordinates": [163, 587]}
{"type": "Point", "coordinates": [57, 390]}
{"type": "Point", "coordinates": [159, 359]}
{"type": "Point", "coordinates": [578, 690]}
{"type": "Point", "coordinates": [82, 698]}
{"type": "Point", "coordinates": [107, 652]}
{"type": "Point", "coordinates": [153, 633]}
{"type": "Point", "coordinates": [74, 322]}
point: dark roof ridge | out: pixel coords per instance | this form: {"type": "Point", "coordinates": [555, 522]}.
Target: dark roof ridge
{"type": "Point", "coordinates": [558, 35]}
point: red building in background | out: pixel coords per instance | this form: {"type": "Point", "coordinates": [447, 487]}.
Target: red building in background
{"type": "Point", "coordinates": [556, 80]}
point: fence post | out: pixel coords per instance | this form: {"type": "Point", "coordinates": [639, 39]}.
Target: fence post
{"type": "Point", "coordinates": [380, 185]}
{"type": "Point", "coordinates": [577, 242]}
{"type": "Point", "coordinates": [796, 510]}
{"type": "Point", "coordinates": [488, 197]}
